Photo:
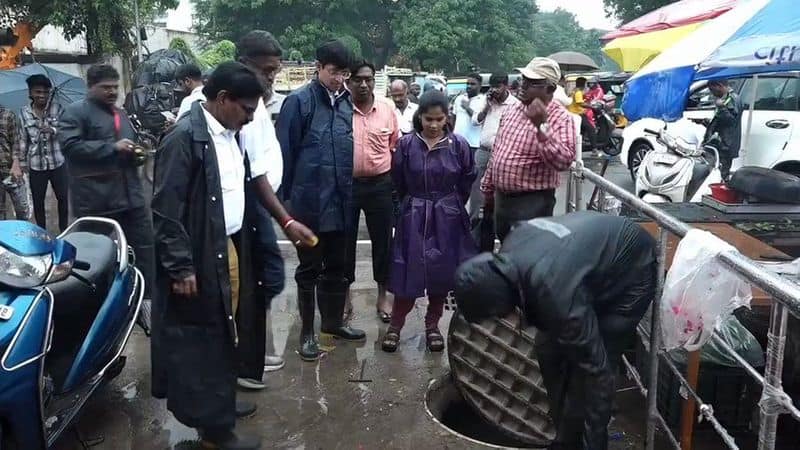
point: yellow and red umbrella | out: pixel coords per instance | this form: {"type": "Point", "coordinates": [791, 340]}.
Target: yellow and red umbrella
{"type": "Point", "coordinates": [636, 43]}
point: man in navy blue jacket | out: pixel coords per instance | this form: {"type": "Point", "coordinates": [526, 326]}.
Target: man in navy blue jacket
{"type": "Point", "coordinates": [315, 130]}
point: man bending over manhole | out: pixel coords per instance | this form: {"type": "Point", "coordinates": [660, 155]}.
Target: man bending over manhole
{"type": "Point", "coordinates": [584, 280]}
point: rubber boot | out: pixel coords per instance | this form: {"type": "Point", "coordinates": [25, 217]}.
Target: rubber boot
{"type": "Point", "coordinates": [229, 439]}
{"type": "Point", "coordinates": [331, 307]}
{"type": "Point", "coordinates": [309, 349]}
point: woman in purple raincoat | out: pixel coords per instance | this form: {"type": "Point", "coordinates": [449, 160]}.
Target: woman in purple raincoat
{"type": "Point", "coordinates": [433, 170]}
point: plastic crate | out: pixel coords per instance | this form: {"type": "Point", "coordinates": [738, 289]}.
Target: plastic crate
{"type": "Point", "coordinates": [731, 391]}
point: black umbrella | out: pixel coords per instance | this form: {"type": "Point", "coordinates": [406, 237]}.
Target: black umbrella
{"type": "Point", "coordinates": [574, 62]}
{"type": "Point", "coordinates": [14, 90]}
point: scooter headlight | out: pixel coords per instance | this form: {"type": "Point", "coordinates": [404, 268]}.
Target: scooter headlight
{"type": "Point", "coordinates": [23, 271]}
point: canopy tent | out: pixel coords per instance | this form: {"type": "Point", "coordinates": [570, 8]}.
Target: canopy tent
{"type": "Point", "coordinates": [633, 52]}
{"type": "Point", "coordinates": [574, 62]}
{"type": "Point", "coordinates": [757, 36]}
{"type": "Point", "coordinates": [14, 90]}
{"type": "Point", "coordinates": [674, 15]}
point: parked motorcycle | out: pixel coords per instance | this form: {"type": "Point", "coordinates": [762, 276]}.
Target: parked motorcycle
{"type": "Point", "coordinates": [682, 172]}
{"type": "Point", "coordinates": [67, 308]}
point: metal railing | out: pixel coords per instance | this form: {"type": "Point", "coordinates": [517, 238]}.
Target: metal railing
{"type": "Point", "coordinates": [786, 294]}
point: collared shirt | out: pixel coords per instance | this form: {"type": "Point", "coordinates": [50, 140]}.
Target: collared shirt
{"type": "Point", "coordinates": [9, 141]}
{"type": "Point", "coordinates": [41, 151]}
{"type": "Point", "coordinates": [186, 103]}
{"type": "Point", "coordinates": [464, 126]}
{"type": "Point", "coordinates": [275, 104]}
{"type": "Point", "coordinates": [525, 160]}
{"type": "Point", "coordinates": [405, 118]}
{"type": "Point", "coordinates": [375, 134]}
{"type": "Point", "coordinates": [231, 172]}
{"type": "Point", "coordinates": [259, 140]}
{"type": "Point", "coordinates": [491, 123]}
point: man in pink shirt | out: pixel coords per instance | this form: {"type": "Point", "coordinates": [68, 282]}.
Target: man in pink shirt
{"type": "Point", "coordinates": [375, 133]}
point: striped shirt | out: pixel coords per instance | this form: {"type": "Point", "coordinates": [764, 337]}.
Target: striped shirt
{"type": "Point", "coordinates": [524, 160]}
{"type": "Point", "coordinates": [41, 150]}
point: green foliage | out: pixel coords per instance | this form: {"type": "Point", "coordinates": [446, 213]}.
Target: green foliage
{"type": "Point", "coordinates": [559, 31]}
{"type": "Point", "coordinates": [107, 23]}
{"type": "Point", "coordinates": [218, 53]}
{"type": "Point", "coordinates": [627, 10]}
{"type": "Point", "coordinates": [295, 55]}
{"type": "Point", "coordinates": [181, 45]}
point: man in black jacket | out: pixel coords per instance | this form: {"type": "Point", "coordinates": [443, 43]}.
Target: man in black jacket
{"type": "Point", "coordinates": [584, 280]}
{"type": "Point", "coordinates": [205, 257]}
{"type": "Point", "coordinates": [98, 142]}
{"type": "Point", "coordinates": [727, 122]}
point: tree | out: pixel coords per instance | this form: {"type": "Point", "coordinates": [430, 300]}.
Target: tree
{"type": "Point", "coordinates": [627, 10]}
{"type": "Point", "coordinates": [218, 53]}
{"type": "Point", "coordinates": [559, 31]}
{"type": "Point", "coordinates": [431, 34]}
{"type": "Point", "coordinates": [108, 24]}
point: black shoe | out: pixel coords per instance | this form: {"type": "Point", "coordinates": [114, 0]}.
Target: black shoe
{"type": "Point", "coordinates": [332, 307]}
{"type": "Point", "coordinates": [306, 302]}
{"type": "Point", "coordinates": [229, 440]}
{"type": "Point", "coordinates": [245, 409]}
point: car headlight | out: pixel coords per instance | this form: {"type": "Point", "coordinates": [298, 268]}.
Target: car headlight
{"type": "Point", "coordinates": [23, 271]}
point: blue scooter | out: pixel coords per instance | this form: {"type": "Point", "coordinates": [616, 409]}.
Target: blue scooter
{"type": "Point", "coordinates": [67, 307]}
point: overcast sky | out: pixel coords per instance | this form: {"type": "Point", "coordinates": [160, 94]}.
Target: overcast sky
{"type": "Point", "coordinates": [590, 13]}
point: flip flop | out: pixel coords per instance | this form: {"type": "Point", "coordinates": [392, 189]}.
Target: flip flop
{"type": "Point", "coordinates": [390, 341]}
{"type": "Point", "coordinates": [435, 340]}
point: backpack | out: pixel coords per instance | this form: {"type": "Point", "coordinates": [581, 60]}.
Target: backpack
{"type": "Point", "coordinates": [147, 102]}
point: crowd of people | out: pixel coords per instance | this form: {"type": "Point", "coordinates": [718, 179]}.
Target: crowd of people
{"type": "Point", "coordinates": [436, 184]}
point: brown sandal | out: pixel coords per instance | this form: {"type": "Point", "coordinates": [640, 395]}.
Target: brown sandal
{"type": "Point", "coordinates": [435, 340]}
{"type": "Point", "coordinates": [390, 341]}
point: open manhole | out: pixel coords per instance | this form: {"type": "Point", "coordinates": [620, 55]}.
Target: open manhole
{"type": "Point", "coordinates": [495, 394]}
{"type": "Point", "coordinates": [445, 405]}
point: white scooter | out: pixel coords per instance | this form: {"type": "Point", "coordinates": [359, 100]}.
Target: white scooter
{"type": "Point", "coordinates": [682, 172]}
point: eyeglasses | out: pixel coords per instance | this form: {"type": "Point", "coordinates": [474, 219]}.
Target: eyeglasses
{"type": "Point", "coordinates": [358, 80]}
{"type": "Point", "coordinates": [344, 74]}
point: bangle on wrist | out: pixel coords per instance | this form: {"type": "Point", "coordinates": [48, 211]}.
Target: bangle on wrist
{"type": "Point", "coordinates": [288, 222]}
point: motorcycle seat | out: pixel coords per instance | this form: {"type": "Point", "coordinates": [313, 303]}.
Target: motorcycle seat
{"type": "Point", "coordinates": [766, 185]}
{"type": "Point", "coordinates": [75, 303]}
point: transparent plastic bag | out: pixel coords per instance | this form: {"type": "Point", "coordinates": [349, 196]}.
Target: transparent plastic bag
{"type": "Point", "coordinates": [699, 292]}
{"type": "Point", "coordinates": [735, 335]}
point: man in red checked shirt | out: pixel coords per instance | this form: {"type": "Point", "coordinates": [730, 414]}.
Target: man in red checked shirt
{"type": "Point", "coordinates": [535, 142]}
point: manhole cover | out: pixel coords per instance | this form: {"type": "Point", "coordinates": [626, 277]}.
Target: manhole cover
{"type": "Point", "coordinates": [495, 367]}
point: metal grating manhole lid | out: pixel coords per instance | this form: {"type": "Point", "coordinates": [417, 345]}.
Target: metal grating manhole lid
{"type": "Point", "coordinates": [495, 367]}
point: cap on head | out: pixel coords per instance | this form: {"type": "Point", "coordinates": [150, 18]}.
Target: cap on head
{"type": "Point", "coordinates": [542, 69]}
{"type": "Point", "coordinates": [482, 290]}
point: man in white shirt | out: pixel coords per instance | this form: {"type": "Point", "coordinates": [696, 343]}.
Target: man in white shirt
{"type": "Point", "coordinates": [274, 104]}
{"type": "Point", "coordinates": [189, 79]}
{"type": "Point", "coordinates": [261, 52]}
{"type": "Point", "coordinates": [488, 112]}
{"type": "Point", "coordinates": [464, 107]}
{"type": "Point", "coordinates": [404, 108]}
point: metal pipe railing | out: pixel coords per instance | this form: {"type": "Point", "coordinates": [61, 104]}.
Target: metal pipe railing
{"type": "Point", "coordinates": [774, 401]}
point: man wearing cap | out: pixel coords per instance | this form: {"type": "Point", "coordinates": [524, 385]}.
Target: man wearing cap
{"type": "Point", "coordinates": [536, 140]}
{"type": "Point", "coordinates": [584, 280]}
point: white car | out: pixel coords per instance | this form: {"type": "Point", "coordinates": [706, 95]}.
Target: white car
{"type": "Point", "coordinates": [772, 143]}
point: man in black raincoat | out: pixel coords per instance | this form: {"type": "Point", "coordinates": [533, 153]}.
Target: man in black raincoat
{"type": "Point", "coordinates": [204, 258]}
{"type": "Point", "coordinates": [584, 280]}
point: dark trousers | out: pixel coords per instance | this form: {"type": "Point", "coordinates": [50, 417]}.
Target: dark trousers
{"type": "Point", "coordinates": [59, 180]}
{"type": "Point", "coordinates": [482, 226]}
{"type": "Point", "coordinates": [725, 162]}
{"type": "Point", "coordinates": [510, 208]}
{"type": "Point", "coordinates": [588, 130]}
{"type": "Point", "coordinates": [324, 266]}
{"type": "Point", "coordinates": [251, 318]}
{"type": "Point", "coordinates": [565, 381]}
{"type": "Point", "coordinates": [137, 223]}
{"type": "Point", "coordinates": [374, 197]}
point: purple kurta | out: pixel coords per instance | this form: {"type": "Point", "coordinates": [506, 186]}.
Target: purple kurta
{"type": "Point", "coordinates": [432, 236]}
